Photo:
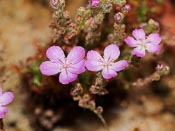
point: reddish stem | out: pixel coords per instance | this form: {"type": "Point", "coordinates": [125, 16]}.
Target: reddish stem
{"type": "Point", "coordinates": [1, 125]}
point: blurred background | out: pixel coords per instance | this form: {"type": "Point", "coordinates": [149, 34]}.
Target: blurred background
{"type": "Point", "coordinates": [26, 22]}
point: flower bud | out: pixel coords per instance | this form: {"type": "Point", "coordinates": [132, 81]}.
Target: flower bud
{"type": "Point", "coordinates": [99, 109]}
{"type": "Point", "coordinates": [77, 90]}
{"type": "Point", "coordinates": [127, 7]}
{"type": "Point", "coordinates": [118, 17]}
{"type": "Point", "coordinates": [81, 103]}
{"type": "Point", "coordinates": [95, 3]}
{"type": "Point", "coordinates": [159, 67]}
{"type": "Point", "coordinates": [86, 97]}
{"type": "Point", "coordinates": [92, 104]}
{"type": "Point", "coordinates": [54, 2]}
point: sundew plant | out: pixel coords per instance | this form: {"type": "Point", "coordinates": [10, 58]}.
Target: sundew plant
{"type": "Point", "coordinates": [100, 48]}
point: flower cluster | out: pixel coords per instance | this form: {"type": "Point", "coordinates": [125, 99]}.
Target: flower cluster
{"type": "Point", "coordinates": [5, 98]}
{"type": "Point", "coordinates": [74, 64]}
{"type": "Point", "coordinates": [90, 28]}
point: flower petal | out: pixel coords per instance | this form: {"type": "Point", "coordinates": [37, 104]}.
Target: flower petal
{"type": "Point", "coordinates": [153, 48]}
{"type": "Point", "coordinates": [55, 54]}
{"type": "Point", "coordinates": [94, 61]}
{"type": "Point", "coordinates": [139, 51]}
{"type": "Point", "coordinates": [3, 111]}
{"type": "Point", "coordinates": [49, 68]}
{"type": "Point", "coordinates": [77, 68]}
{"type": "Point", "coordinates": [131, 41]}
{"type": "Point", "coordinates": [66, 77]}
{"type": "Point", "coordinates": [6, 98]}
{"type": "Point", "coordinates": [108, 73]}
{"type": "Point", "coordinates": [120, 65]}
{"type": "Point", "coordinates": [154, 38]}
{"type": "Point", "coordinates": [0, 91]}
{"type": "Point", "coordinates": [76, 54]}
{"type": "Point", "coordinates": [111, 52]}
{"type": "Point", "coordinates": [139, 34]}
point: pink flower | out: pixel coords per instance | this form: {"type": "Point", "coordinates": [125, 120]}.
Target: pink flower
{"type": "Point", "coordinates": [106, 63]}
{"type": "Point", "coordinates": [95, 3]}
{"type": "Point", "coordinates": [5, 98]}
{"type": "Point", "coordinates": [69, 67]}
{"type": "Point", "coordinates": [143, 43]}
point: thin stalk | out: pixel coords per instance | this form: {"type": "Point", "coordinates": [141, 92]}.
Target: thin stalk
{"type": "Point", "coordinates": [1, 125]}
{"type": "Point", "coordinates": [130, 59]}
{"type": "Point", "coordinates": [101, 119]}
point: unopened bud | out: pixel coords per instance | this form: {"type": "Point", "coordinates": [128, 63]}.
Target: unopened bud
{"type": "Point", "coordinates": [98, 81]}
{"type": "Point", "coordinates": [92, 104]}
{"type": "Point", "coordinates": [127, 7]}
{"type": "Point", "coordinates": [62, 3]}
{"type": "Point", "coordinates": [77, 90]}
{"type": "Point", "coordinates": [81, 103]}
{"type": "Point", "coordinates": [118, 17]}
{"type": "Point", "coordinates": [153, 22]}
{"type": "Point", "coordinates": [86, 97]}
{"type": "Point", "coordinates": [167, 69]}
{"type": "Point", "coordinates": [95, 3]}
{"type": "Point", "coordinates": [54, 2]}
{"type": "Point", "coordinates": [99, 109]}
{"type": "Point", "coordinates": [159, 67]}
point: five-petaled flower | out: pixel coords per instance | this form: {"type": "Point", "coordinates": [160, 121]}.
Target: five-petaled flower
{"type": "Point", "coordinates": [95, 62]}
{"type": "Point", "coordinates": [5, 98]}
{"type": "Point", "coordinates": [69, 67]}
{"type": "Point", "coordinates": [95, 3]}
{"type": "Point", "coordinates": [141, 42]}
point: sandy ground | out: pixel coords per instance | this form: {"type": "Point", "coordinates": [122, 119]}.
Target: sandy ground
{"type": "Point", "coordinates": [23, 23]}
